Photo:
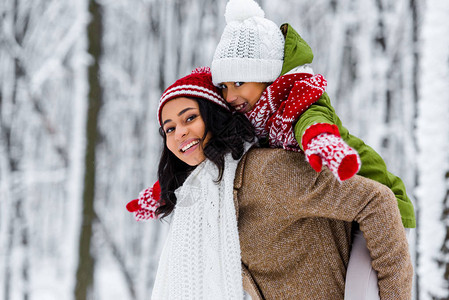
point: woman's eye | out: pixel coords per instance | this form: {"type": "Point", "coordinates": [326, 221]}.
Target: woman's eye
{"type": "Point", "coordinates": [191, 118]}
{"type": "Point", "coordinates": [222, 86]}
{"type": "Point", "coordinates": [169, 129]}
{"type": "Point", "coordinates": [238, 83]}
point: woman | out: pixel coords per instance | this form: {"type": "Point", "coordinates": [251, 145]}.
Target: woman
{"type": "Point", "coordinates": [294, 225]}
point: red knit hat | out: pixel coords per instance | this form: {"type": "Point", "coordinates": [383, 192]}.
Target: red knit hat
{"type": "Point", "coordinates": [198, 84]}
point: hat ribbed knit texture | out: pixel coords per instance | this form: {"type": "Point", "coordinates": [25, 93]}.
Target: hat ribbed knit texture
{"type": "Point", "coordinates": [198, 84]}
{"type": "Point", "coordinates": [251, 48]}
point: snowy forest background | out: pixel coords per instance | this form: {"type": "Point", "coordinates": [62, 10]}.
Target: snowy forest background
{"type": "Point", "coordinates": [79, 86]}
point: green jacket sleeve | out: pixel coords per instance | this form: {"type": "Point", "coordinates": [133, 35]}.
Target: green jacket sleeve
{"type": "Point", "coordinates": [373, 166]}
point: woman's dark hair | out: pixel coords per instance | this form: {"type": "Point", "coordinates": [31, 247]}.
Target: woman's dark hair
{"type": "Point", "coordinates": [229, 131]}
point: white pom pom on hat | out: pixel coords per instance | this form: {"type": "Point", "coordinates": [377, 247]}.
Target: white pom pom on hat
{"type": "Point", "coordinates": [251, 48]}
{"type": "Point", "coordinates": [239, 10]}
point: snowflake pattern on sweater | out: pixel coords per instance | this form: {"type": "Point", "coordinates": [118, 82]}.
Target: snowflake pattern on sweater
{"type": "Point", "coordinates": [281, 104]}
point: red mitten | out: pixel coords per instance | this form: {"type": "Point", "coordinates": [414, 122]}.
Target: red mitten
{"type": "Point", "coordinates": [145, 206]}
{"type": "Point", "coordinates": [330, 150]}
{"type": "Point", "coordinates": [315, 161]}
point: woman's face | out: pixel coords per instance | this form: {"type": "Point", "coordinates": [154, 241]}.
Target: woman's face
{"type": "Point", "coordinates": [184, 129]}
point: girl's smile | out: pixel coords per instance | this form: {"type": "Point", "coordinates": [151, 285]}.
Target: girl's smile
{"type": "Point", "coordinates": [242, 96]}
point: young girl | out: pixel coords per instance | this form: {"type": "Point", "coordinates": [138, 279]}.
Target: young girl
{"type": "Point", "coordinates": [293, 111]}
{"type": "Point", "coordinates": [228, 219]}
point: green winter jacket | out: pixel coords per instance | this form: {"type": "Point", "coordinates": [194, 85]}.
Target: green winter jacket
{"type": "Point", "coordinates": [296, 53]}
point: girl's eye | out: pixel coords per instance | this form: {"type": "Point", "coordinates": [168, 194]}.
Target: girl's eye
{"type": "Point", "coordinates": [238, 83]}
{"type": "Point", "coordinates": [222, 86]}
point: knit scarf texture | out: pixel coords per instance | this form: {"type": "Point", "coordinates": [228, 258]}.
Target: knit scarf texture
{"type": "Point", "coordinates": [281, 105]}
{"type": "Point", "coordinates": [201, 257]}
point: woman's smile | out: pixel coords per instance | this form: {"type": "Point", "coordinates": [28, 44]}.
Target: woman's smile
{"type": "Point", "coordinates": [189, 146]}
{"type": "Point", "coordinates": [185, 130]}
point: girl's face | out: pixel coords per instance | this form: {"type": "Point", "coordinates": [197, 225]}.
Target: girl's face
{"type": "Point", "coordinates": [242, 96]}
{"type": "Point", "coordinates": [184, 129]}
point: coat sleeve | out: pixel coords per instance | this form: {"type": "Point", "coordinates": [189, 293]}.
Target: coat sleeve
{"type": "Point", "coordinates": [372, 205]}
{"type": "Point", "coordinates": [319, 112]}
{"type": "Point", "coordinates": [373, 166]}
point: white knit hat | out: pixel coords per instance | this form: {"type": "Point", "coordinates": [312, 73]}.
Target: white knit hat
{"type": "Point", "coordinates": [251, 48]}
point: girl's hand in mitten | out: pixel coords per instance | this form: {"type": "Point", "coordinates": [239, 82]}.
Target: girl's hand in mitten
{"type": "Point", "coordinates": [330, 150]}
{"type": "Point", "coordinates": [145, 206]}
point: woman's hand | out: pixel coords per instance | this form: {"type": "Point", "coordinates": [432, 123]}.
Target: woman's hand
{"type": "Point", "coordinates": [144, 207]}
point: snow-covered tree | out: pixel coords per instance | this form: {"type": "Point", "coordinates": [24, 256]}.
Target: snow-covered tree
{"type": "Point", "coordinates": [433, 158]}
{"type": "Point", "coordinates": [42, 61]}
{"type": "Point", "coordinates": [386, 62]}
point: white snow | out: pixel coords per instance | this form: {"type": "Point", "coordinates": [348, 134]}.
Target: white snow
{"type": "Point", "coordinates": [364, 49]}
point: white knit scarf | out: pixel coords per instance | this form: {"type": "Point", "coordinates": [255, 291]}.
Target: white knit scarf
{"type": "Point", "coordinates": [201, 258]}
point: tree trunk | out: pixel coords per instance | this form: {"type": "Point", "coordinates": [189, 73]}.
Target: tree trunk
{"type": "Point", "coordinates": [86, 264]}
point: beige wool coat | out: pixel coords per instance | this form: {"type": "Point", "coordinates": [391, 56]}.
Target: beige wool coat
{"type": "Point", "coordinates": [295, 229]}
